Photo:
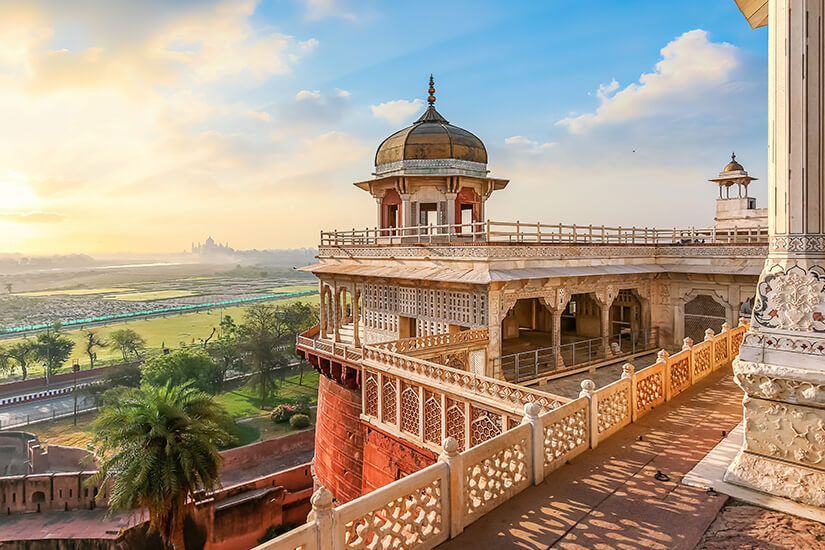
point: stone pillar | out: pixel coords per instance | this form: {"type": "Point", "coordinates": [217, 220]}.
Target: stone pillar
{"type": "Point", "coordinates": [451, 211]}
{"type": "Point", "coordinates": [406, 211]}
{"type": "Point", "coordinates": [356, 314]}
{"type": "Point", "coordinates": [779, 366]}
{"type": "Point", "coordinates": [556, 342]}
{"type": "Point", "coordinates": [322, 321]}
{"type": "Point", "coordinates": [380, 218]}
{"type": "Point", "coordinates": [336, 314]}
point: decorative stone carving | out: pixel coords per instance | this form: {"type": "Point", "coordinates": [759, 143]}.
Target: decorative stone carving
{"type": "Point", "coordinates": [410, 521]}
{"type": "Point", "coordinates": [794, 433]}
{"type": "Point", "coordinates": [791, 300]}
{"type": "Point", "coordinates": [778, 478]}
{"type": "Point", "coordinates": [490, 480]}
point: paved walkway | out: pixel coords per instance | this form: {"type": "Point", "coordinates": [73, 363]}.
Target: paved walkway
{"type": "Point", "coordinates": [608, 497]}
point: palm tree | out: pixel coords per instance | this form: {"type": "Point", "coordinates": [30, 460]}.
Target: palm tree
{"type": "Point", "coordinates": [158, 446]}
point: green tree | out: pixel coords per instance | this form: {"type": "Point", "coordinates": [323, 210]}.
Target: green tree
{"type": "Point", "coordinates": [52, 349]}
{"type": "Point", "coordinates": [298, 317]}
{"type": "Point", "coordinates": [91, 342]}
{"type": "Point", "coordinates": [180, 367]}
{"type": "Point", "coordinates": [22, 353]}
{"type": "Point", "coordinates": [6, 362]}
{"type": "Point", "coordinates": [128, 341]}
{"type": "Point", "coordinates": [158, 447]}
{"type": "Point", "coordinates": [117, 379]}
{"type": "Point", "coordinates": [261, 337]}
{"type": "Point", "coordinates": [225, 351]}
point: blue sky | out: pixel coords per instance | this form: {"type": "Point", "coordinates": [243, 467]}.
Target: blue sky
{"type": "Point", "coordinates": [249, 121]}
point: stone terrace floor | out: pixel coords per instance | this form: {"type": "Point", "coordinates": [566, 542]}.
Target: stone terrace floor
{"type": "Point", "coordinates": [608, 497]}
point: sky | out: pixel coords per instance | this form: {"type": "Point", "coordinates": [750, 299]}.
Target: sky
{"type": "Point", "coordinates": [145, 126]}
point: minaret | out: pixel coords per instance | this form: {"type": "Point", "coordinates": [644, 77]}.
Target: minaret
{"type": "Point", "coordinates": [739, 211]}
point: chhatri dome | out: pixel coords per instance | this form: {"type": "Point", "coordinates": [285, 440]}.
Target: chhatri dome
{"type": "Point", "coordinates": [431, 173]}
{"type": "Point", "coordinates": [733, 166]}
{"type": "Point", "coordinates": [431, 142]}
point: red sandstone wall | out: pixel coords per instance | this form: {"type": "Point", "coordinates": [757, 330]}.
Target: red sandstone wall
{"type": "Point", "coordinates": [258, 453]}
{"type": "Point", "coordinates": [339, 442]}
{"type": "Point", "coordinates": [388, 458]}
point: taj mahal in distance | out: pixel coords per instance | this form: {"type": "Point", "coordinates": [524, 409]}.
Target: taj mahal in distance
{"type": "Point", "coordinates": [490, 383]}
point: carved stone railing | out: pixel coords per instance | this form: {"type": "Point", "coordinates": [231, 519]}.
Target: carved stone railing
{"type": "Point", "coordinates": [495, 471]}
{"type": "Point", "coordinates": [413, 512]}
{"type": "Point", "coordinates": [309, 341]}
{"type": "Point", "coordinates": [472, 386]}
{"type": "Point", "coordinates": [422, 510]}
{"type": "Point", "coordinates": [423, 343]}
{"type": "Point", "coordinates": [566, 432]}
{"type": "Point", "coordinates": [518, 232]}
{"type": "Point", "coordinates": [613, 409]}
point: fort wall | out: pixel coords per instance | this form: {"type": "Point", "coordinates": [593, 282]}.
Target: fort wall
{"type": "Point", "coordinates": [339, 441]}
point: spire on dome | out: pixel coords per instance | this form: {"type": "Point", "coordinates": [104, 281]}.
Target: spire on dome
{"type": "Point", "coordinates": [431, 115]}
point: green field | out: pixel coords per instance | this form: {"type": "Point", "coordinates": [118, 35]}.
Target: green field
{"type": "Point", "coordinates": [74, 292]}
{"type": "Point", "coordinates": [293, 288]}
{"type": "Point", "coordinates": [170, 331]}
{"type": "Point", "coordinates": [150, 295]}
{"type": "Point", "coordinates": [244, 401]}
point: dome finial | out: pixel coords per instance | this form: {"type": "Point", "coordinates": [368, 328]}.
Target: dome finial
{"type": "Point", "coordinates": [431, 91]}
{"type": "Point", "coordinates": [733, 156]}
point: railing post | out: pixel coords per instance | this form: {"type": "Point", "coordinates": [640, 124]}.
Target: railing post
{"type": "Point", "coordinates": [662, 357]}
{"type": "Point", "coordinates": [537, 363]}
{"type": "Point", "coordinates": [321, 516]}
{"type": "Point", "coordinates": [628, 372]}
{"type": "Point", "coordinates": [589, 391]}
{"type": "Point", "coordinates": [531, 416]}
{"type": "Point", "coordinates": [452, 458]}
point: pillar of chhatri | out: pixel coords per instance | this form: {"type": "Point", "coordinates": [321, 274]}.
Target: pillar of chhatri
{"type": "Point", "coordinates": [781, 366]}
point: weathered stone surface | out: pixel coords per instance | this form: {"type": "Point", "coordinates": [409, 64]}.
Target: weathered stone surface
{"type": "Point", "coordinates": [741, 526]}
{"type": "Point", "coordinates": [782, 479]}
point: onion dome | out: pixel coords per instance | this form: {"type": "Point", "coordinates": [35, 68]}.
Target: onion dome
{"type": "Point", "coordinates": [733, 166]}
{"type": "Point", "coordinates": [431, 143]}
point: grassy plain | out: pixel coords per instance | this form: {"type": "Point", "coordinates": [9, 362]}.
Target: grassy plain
{"type": "Point", "coordinates": [293, 288]}
{"type": "Point", "coordinates": [74, 292]}
{"type": "Point", "coordinates": [150, 295]}
{"type": "Point", "coordinates": [170, 330]}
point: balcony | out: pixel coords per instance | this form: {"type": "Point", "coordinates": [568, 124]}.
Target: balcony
{"type": "Point", "coordinates": [491, 232]}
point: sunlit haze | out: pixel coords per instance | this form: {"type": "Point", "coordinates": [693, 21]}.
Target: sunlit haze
{"type": "Point", "coordinates": [146, 126]}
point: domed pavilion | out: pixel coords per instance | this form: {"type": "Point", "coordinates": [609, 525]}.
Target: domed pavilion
{"type": "Point", "coordinates": [431, 173]}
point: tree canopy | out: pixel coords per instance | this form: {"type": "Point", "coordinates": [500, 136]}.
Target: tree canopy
{"type": "Point", "coordinates": [157, 447]}
{"type": "Point", "coordinates": [180, 367]}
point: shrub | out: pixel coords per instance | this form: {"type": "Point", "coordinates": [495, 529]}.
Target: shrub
{"type": "Point", "coordinates": [275, 531]}
{"type": "Point", "coordinates": [283, 413]}
{"type": "Point", "coordinates": [299, 421]}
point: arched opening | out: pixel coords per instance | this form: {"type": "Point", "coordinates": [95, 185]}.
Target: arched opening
{"type": "Point", "coordinates": [391, 210]}
{"type": "Point", "coordinates": [528, 325]}
{"type": "Point", "coordinates": [702, 313]}
{"type": "Point", "coordinates": [627, 328]}
{"type": "Point", "coordinates": [467, 209]}
{"type": "Point", "coordinates": [38, 496]}
{"type": "Point", "coordinates": [581, 319]}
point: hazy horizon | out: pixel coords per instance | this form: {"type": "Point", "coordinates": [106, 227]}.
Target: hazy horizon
{"type": "Point", "coordinates": [141, 128]}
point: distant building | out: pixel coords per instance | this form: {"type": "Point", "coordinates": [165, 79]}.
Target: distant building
{"type": "Point", "coordinates": [211, 248]}
{"type": "Point", "coordinates": [739, 211]}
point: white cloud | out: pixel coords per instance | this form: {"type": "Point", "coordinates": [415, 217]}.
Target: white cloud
{"type": "Point", "coordinates": [322, 9]}
{"type": "Point", "coordinates": [307, 94]}
{"type": "Point", "coordinates": [692, 68]}
{"type": "Point", "coordinates": [396, 111]}
{"type": "Point", "coordinates": [529, 145]}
